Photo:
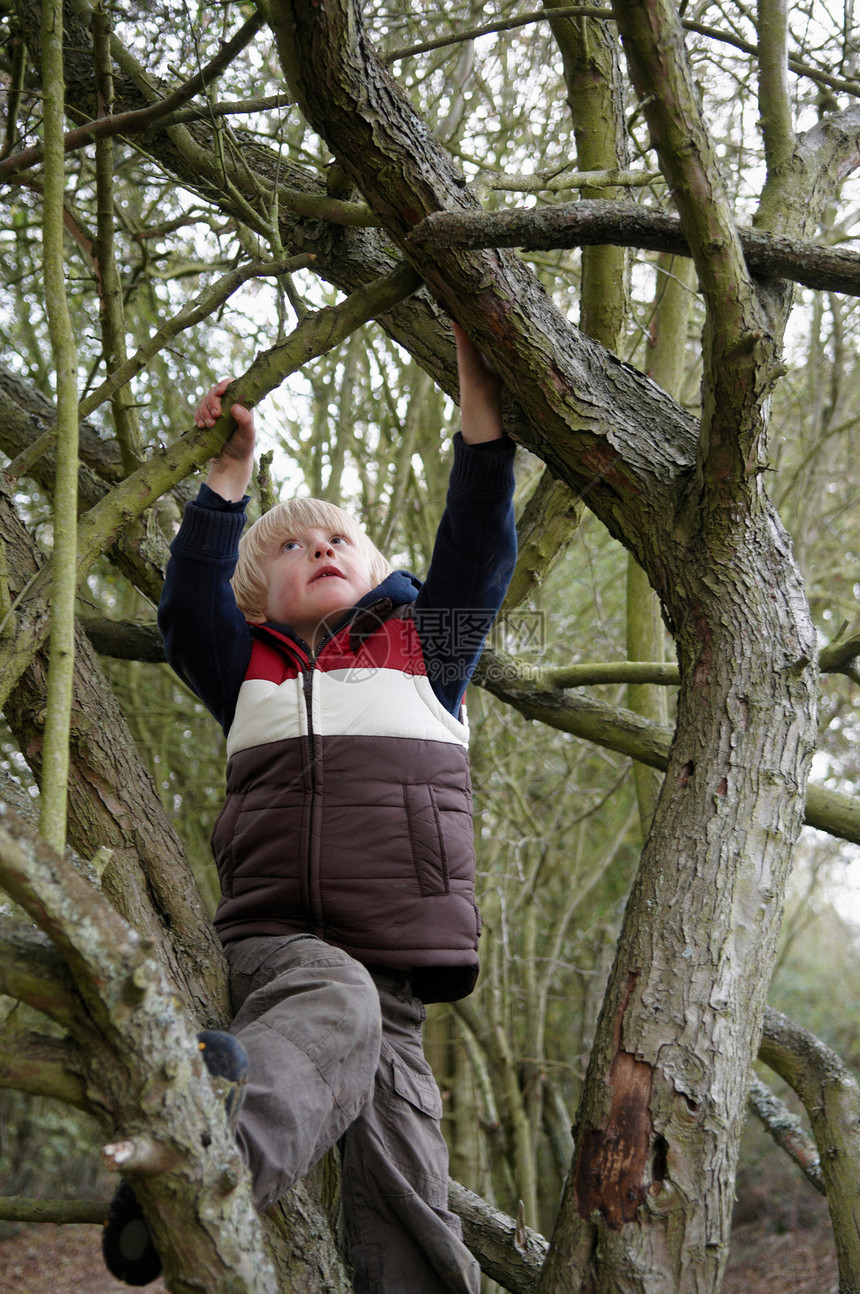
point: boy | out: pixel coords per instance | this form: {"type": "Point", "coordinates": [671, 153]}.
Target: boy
{"type": "Point", "coordinates": [344, 848]}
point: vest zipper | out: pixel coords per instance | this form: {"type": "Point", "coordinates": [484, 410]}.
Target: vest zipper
{"type": "Point", "coordinates": [307, 691]}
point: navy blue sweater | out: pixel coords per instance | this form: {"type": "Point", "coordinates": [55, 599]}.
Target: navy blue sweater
{"type": "Point", "coordinates": [208, 641]}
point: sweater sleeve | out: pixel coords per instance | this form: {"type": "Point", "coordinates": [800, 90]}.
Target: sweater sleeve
{"type": "Point", "coordinates": [473, 560]}
{"type": "Point", "coordinates": [206, 638]}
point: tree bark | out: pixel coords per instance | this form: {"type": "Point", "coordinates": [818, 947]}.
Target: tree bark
{"type": "Point", "coordinates": [593, 222]}
{"type": "Point", "coordinates": [142, 1073]}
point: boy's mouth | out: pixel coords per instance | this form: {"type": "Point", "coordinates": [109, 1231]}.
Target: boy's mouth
{"type": "Point", "coordinates": [327, 570]}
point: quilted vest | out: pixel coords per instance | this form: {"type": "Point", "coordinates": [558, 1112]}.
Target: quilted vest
{"type": "Point", "coordinates": [349, 807]}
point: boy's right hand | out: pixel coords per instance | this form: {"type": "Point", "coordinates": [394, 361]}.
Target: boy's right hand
{"type": "Point", "coordinates": [231, 470]}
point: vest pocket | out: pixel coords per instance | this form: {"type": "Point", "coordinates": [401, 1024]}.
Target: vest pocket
{"type": "Point", "coordinates": [425, 835]}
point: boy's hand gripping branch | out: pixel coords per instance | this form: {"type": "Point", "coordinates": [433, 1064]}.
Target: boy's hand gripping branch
{"type": "Point", "coordinates": [231, 471]}
{"type": "Point", "coordinates": [480, 392]}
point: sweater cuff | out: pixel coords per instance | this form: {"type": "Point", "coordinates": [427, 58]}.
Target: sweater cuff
{"type": "Point", "coordinates": [208, 498]}
{"type": "Point", "coordinates": [210, 531]}
{"type": "Point", "coordinates": [484, 468]}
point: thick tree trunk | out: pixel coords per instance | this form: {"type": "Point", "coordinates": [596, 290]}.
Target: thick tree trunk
{"type": "Point", "coordinates": [649, 1200]}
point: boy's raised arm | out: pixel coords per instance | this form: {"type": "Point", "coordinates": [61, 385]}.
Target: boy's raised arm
{"type": "Point", "coordinates": [229, 473]}
{"type": "Point", "coordinates": [480, 393]}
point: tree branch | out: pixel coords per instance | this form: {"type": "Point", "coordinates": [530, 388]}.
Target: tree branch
{"type": "Point", "coordinates": [831, 1095]}
{"type": "Point", "coordinates": [124, 639]}
{"type": "Point", "coordinates": [65, 512]}
{"type": "Point", "coordinates": [405, 175]}
{"type": "Point", "coordinates": [201, 308]}
{"type": "Point", "coordinates": [841, 658]}
{"type": "Point", "coordinates": [787, 1131]}
{"type": "Point", "coordinates": [21, 1208]}
{"type": "Point", "coordinates": [797, 65]}
{"type": "Point", "coordinates": [495, 28]}
{"type": "Point", "coordinates": [773, 93]}
{"type": "Point", "coordinates": [315, 335]}
{"type": "Point", "coordinates": [593, 222]}
{"type": "Point", "coordinates": [28, 430]}
{"type": "Point", "coordinates": [621, 730]}
{"type": "Point", "coordinates": [32, 971]}
{"type": "Point", "coordinates": [654, 44]}
{"type": "Point", "coordinates": [108, 282]}
{"type": "Point", "coordinates": [113, 802]}
{"type": "Point", "coordinates": [43, 1066]}
{"type": "Point", "coordinates": [565, 177]}
{"type": "Point", "coordinates": [128, 123]}
{"type": "Point", "coordinates": [545, 530]}
{"type": "Point", "coordinates": [508, 1252]}
{"type": "Point", "coordinates": [149, 1074]}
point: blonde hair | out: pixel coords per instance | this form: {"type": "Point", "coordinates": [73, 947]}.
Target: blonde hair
{"type": "Point", "coordinates": [250, 585]}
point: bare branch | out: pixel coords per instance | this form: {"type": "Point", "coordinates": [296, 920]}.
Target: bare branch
{"type": "Point", "coordinates": [787, 1131]}
{"type": "Point", "coordinates": [108, 281]}
{"type": "Point", "coordinates": [739, 351]}
{"type": "Point", "coordinates": [841, 658]}
{"type": "Point", "coordinates": [561, 179]}
{"type": "Point", "coordinates": [593, 222]}
{"type": "Point", "coordinates": [65, 510]}
{"type": "Point", "coordinates": [124, 639]}
{"type": "Point", "coordinates": [315, 335]}
{"type": "Point", "coordinates": [831, 1095]}
{"type": "Point", "coordinates": [511, 1255]}
{"type": "Point", "coordinates": [201, 308]}
{"type": "Point", "coordinates": [798, 66]}
{"type": "Point", "coordinates": [32, 971]}
{"type": "Point", "coordinates": [775, 109]}
{"type": "Point", "coordinates": [627, 733]}
{"type": "Point", "coordinates": [22, 1208]}
{"type": "Point", "coordinates": [43, 1066]}
{"type": "Point", "coordinates": [127, 123]}
{"type": "Point", "coordinates": [545, 530]}
{"type": "Point", "coordinates": [494, 28]}
{"type": "Point", "coordinates": [144, 1036]}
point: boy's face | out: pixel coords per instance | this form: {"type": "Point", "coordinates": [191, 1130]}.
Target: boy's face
{"type": "Point", "coordinates": [313, 577]}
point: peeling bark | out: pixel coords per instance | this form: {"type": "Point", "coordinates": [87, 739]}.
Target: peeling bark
{"type": "Point", "coordinates": [613, 1162]}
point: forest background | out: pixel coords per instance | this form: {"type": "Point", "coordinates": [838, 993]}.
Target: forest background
{"type": "Point", "coordinates": [228, 221]}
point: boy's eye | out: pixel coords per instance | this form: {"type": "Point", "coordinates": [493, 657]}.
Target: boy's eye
{"type": "Point", "coordinates": [290, 544]}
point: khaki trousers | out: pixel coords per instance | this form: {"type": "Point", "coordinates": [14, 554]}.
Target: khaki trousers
{"type": "Point", "coordinates": [336, 1057]}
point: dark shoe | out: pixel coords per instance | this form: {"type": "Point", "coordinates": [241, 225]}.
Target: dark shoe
{"type": "Point", "coordinates": [225, 1057]}
{"type": "Point", "coordinates": [127, 1246]}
